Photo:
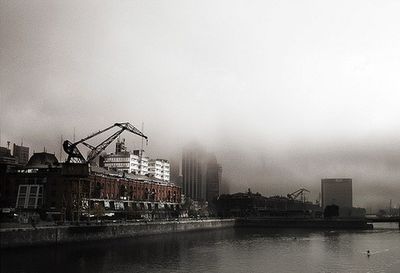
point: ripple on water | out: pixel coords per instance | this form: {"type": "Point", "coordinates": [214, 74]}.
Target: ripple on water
{"type": "Point", "coordinates": [239, 250]}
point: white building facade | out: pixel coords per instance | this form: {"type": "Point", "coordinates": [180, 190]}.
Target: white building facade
{"type": "Point", "coordinates": [135, 163]}
{"type": "Point", "coordinates": [127, 162]}
{"type": "Point", "coordinates": [159, 168]}
{"type": "Point", "coordinates": [131, 163]}
{"type": "Point", "coordinates": [117, 162]}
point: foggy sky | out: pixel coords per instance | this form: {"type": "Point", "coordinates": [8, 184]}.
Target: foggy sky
{"type": "Point", "coordinates": [284, 92]}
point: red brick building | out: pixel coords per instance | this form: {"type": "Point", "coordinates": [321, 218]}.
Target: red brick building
{"type": "Point", "coordinates": [75, 189]}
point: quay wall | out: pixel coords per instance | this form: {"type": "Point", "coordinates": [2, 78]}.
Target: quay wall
{"type": "Point", "coordinates": [64, 234]}
{"type": "Point", "coordinates": [19, 237]}
{"type": "Point", "coordinates": [304, 223]}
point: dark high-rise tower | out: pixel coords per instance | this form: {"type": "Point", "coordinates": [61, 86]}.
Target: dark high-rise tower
{"type": "Point", "coordinates": [175, 172]}
{"type": "Point", "coordinates": [194, 172]}
{"type": "Point", "coordinates": [337, 191]}
{"type": "Point", "coordinates": [214, 174]}
{"type": "Point", "coordinates": [201, 174]}
{"type": "Point", "coordinates": [21, 153]}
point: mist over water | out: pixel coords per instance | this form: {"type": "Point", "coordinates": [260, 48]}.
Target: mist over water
{"type": "Point", "coordinates": [284, 93]}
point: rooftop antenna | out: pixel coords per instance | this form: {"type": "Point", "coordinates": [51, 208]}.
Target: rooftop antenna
{"type": "Point", "coordinates": [1, 114]}
{"type": "Point", "coordinates": [390, 207]}
{"type": "Point", "coordinates": [141, 149]}
{"type": "Point", "coordinates": [61, 143]}
{"type": "Point", "coordinates": [22, 141]}
{"type": "Point", "coordinates": [74, 134]}
{"type": "Point", "coordinates": [266, 189]}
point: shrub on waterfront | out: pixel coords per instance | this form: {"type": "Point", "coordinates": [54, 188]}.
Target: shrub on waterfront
{"type": "Point", "coordinates": [331, 211]}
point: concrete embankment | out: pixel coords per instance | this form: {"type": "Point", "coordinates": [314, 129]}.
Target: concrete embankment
{"type": "Point", "coordinates": [17, 237]}
{"type": "Point", "coordinates": [304, 223]}
{"type": "Point", "coordinates": [63, 234]}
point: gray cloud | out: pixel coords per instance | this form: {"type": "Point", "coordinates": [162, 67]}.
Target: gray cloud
{"type": "Point", "coordinates": [284, 92]}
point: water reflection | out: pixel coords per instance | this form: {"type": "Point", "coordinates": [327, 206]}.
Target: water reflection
{"type": "Point", "coordinates": [227, 250]}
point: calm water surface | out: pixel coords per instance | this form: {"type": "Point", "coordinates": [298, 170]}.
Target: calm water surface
{"type": "Point", "coordinates": [227, 250]}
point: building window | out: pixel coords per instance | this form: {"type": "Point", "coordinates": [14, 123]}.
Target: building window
{"type": "Point", "coordinates": [29, 196]}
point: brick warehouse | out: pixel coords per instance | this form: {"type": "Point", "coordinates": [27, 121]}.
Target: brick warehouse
{"type": "Point", "coordinates": [51, 188]}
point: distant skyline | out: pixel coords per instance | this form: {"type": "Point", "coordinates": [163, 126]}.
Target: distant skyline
{"type": "Point", "coordinates": [284, 92]}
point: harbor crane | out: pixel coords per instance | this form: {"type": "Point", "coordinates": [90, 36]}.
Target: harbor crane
{"type": "Point", "coordinates": [75, 156]}
{"type": "Point", "coordinates": [300, 192]}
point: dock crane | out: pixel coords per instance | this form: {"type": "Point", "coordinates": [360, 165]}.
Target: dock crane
{"type": "Point", "coordinates": [75, 156]}
{"type": "Point", "coordinates": [299, 192]}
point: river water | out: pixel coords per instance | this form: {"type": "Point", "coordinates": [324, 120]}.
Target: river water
{"type": "Point", "coordinates": [225, 250]}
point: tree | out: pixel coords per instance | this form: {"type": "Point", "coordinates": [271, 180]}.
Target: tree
{"type": "Point", "coordinates": [98, 210]}
{"type": "Point", "coordinates": [331, 211]}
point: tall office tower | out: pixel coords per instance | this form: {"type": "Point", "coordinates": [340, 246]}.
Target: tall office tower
{"type": "Point", "coordinates": [224, 186]}
{"type": "Point", "coordinates": [21, 154]}
{"type": "Point", "coordinates": [6, 160]}
{"type": "Point", "coordinates": [175, 171]}
{"type": "Point", "coordinates": [214, 174]}
{"type": "Point", "coordinates": [194, 172]}
{"type": "Point", "coordinates": [337, 191]}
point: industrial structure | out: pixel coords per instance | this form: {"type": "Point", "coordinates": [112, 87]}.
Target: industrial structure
{"type": "Point", "coordinates": [300, 193]}
{"type": "Point", "coordinates": [78, 189]}
{"type": "Point", "coordinates": [255, 205]}
{"type": "Point", "coordinates": [75, 156]}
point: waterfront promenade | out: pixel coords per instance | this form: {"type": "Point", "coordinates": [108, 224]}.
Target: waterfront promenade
{"type": "Point", "coordinates": [13, 236]}
{"type": "Point", "coordinates": [50, 234]}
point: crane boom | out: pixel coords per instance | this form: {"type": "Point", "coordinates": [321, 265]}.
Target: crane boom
{"type": "Point", "coordinates": [75, 156]}
{"type": "Point", "coordinates": [299, 192]}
